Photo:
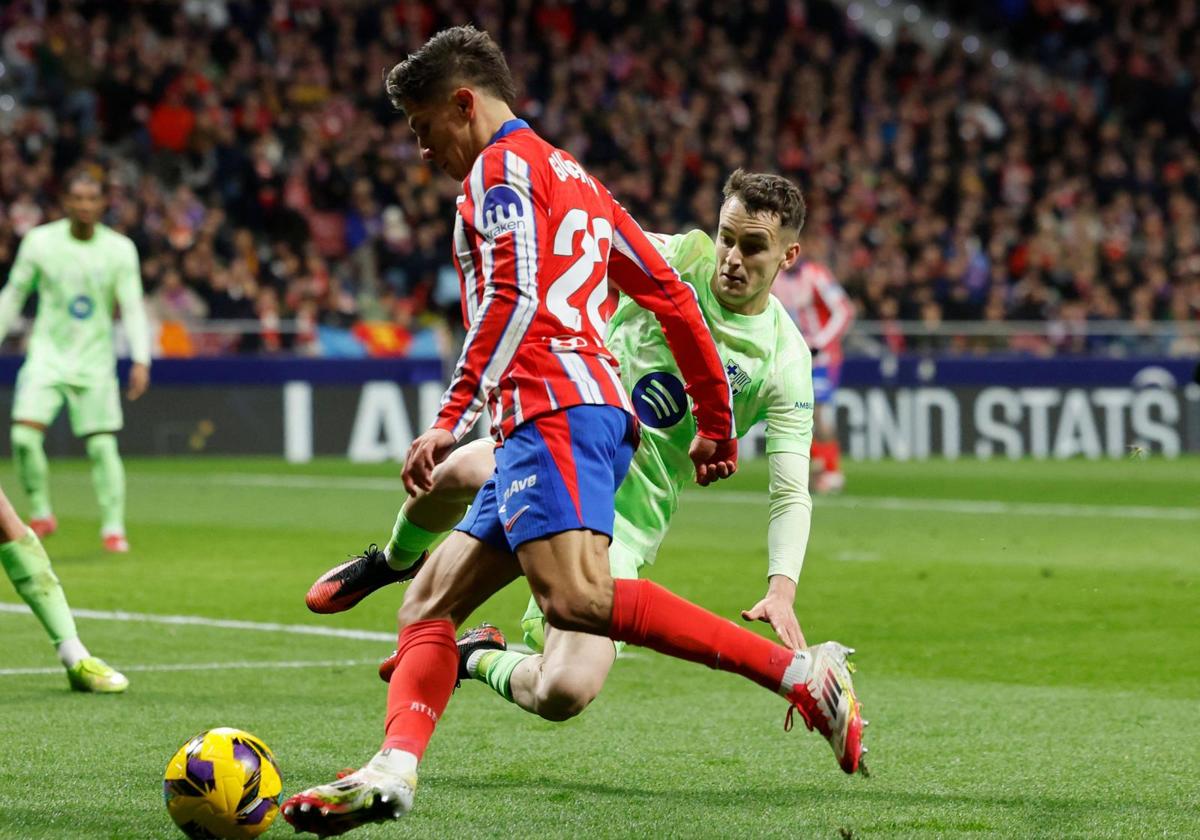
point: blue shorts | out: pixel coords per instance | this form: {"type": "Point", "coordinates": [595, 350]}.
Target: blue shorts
{"type": "Point", "coordinates": [558, 472]}
{"type": "Point", "coordinates": [825, 382]}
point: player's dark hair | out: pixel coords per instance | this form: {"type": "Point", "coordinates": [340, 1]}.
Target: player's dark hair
{"type": "Point", "coordinates": [81, 175]}
{"type": "Point", "coordinates": [761, 192]}
{"type": "Point", "coordinates": [452, 58]}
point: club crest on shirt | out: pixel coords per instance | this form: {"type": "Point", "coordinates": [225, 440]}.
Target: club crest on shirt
{"type": "Point", "coordinates": [504, 211]}
{"type": "Point", "coordinates": [738, 378]}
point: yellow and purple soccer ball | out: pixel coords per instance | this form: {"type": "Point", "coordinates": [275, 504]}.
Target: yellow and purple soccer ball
{"type": "Point", "coordinates": [223, 783]}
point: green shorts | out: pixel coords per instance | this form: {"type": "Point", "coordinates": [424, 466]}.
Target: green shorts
{"type": "Point", "coordinates": [93, 408]}
{"type": "Point", "coordinates": [622, 562]}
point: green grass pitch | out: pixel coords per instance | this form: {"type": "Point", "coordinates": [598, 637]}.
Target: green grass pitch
{"type": "Point", "coordinates": [1028, 637]}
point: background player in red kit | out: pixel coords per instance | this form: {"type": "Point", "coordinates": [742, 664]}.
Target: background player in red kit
{"type": "Point", "coordinates": [823, 312]}
{"type": "Point", "coordinates": [534, 236]}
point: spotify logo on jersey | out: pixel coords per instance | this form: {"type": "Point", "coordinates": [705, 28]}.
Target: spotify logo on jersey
{"type": "Point", "coordinates": [659, 400]}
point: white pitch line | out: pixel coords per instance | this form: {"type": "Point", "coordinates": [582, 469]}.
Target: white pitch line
{"type": "Point", "coordinates": [204, 666]}
{"type": "Point", "coordinates": [229, 624]}
{"type": "Point", "coordinates": [224, 623]}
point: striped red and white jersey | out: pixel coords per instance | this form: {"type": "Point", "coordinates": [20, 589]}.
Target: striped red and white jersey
{"type": "Point", "coordinates": [533, 241]}
{"type": "Point", "coordinates": [819, 306]}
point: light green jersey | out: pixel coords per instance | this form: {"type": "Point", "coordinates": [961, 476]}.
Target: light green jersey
{"type": "Point", "coordinates": [78, 282]}
{"type": "Point", "coordinates": [770, 372]}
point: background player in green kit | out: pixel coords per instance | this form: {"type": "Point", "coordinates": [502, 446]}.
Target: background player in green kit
{"type": "Point", "coordinates": [27, 566]}
{"type": "Point", "coordinates": [769, 370]}
{"type": "Point", "coordinates": [80, 269]}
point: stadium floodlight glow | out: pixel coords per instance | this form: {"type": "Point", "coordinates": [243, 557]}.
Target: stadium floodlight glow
{"type": "Point", "coordinates": [912, 13]}
{"type": "Point", "coordinates": [855, 12]}
{"type": "Point", "coordinates": [999, 59]}
{"type": "Point", "coordinates": [883, 28]}
{"type": "Point", "coordinates": [883, 4]}
{"type": "Point", "coordinates": [3, 69]}
{"type": "Point", "coordinates": [941, 30]}
{"type": "Point", "coordinates": [970, 44]}
{"type": "Point", "coordinates": [7, 103]}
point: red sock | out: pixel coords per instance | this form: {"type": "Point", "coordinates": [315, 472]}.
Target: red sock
{"type": "Point", "coordinates": [820, 454]}
{"type": "Point", "coordinates": [646, 614]}
{"type": "Point", "coordinates": [833, 453]}
{"type": "Point", "coordinates": [421, 685]}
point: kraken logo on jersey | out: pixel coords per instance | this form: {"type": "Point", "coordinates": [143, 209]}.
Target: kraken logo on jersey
{"type": "Point", "coordinates": [738, 378]}
{"type": "Point", "coordinates": [659, 400]}
{"type": "Point", "coordinates": [504, 210]}
{"type": "Point", "coordinates": [81, 307]}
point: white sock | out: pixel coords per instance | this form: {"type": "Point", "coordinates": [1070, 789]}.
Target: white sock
{"type": "Point", "coordinates": [396, 762]}
{"type": "Point", "coordinates": [796, 673]}
{"type": "Point", "coordinates": [71, 652]}
{"type": "Point", "coordinates": [473, 661]}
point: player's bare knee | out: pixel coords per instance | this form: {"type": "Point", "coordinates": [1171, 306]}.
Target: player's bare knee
{"type": "Point", "coordinates": [563, 692]}
{"type": "Point", "coordinates": [563, 699]}
{"type": "Point", "coordinates": [461, 475]}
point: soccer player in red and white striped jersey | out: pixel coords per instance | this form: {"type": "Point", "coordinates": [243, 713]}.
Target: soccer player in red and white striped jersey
{"type": "Point", "coordinates": [823, 312]}
{"type": "Point", "coordinates": [534, 240]}
{"type": "Point", "coordinates": [535, 300]}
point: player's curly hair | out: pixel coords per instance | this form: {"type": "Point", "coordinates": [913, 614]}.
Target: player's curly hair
{"type": "Point", "coordinates": [452, 58]}
{"type": "Point", "coordinates": [762, 192]}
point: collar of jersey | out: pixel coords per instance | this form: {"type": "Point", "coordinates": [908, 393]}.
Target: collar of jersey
{"type": "Point", "coordinates": [508, 128]}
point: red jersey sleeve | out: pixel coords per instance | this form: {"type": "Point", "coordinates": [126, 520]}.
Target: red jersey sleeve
{"type": "Point", "coordinates": [640, 271]}
{"type": "Point", "coordinates": [500, 219]}
{"type": "Point", "coordinates": [836, 302]}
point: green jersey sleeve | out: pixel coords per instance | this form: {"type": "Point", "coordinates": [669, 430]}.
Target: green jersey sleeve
{"type": "Point", "coordinates": [790, 397]}
{"type": "Point", "coordinates": [128, 292]}
{"type": "Point", "coordinates": [22, 280]}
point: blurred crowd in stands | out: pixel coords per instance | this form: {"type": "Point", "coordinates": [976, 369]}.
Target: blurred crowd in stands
{"type": "Point", "coordinates": [251, 154]}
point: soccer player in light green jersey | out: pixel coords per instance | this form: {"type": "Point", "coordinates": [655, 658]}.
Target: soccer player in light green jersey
{"type": "Point", "coordinates": [27, 566]}
{"type": "Point", "coordinates": [770, 372]}
{"type": "Point", "coordinates": [81, 269]}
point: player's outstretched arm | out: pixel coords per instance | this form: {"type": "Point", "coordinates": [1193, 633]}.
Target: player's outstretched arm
{"type": "Point", "coordinates": [790, 518]}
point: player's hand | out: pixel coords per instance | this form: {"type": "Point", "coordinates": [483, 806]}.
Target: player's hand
{"type": "Point", "coordinates": [139, 381]}
{"type": "Point", "coordinates": [714, 459]}
{"type": "Point", "coordinates": [777, 609]}
{"type": "Point", "coordinates": [426, 452]}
